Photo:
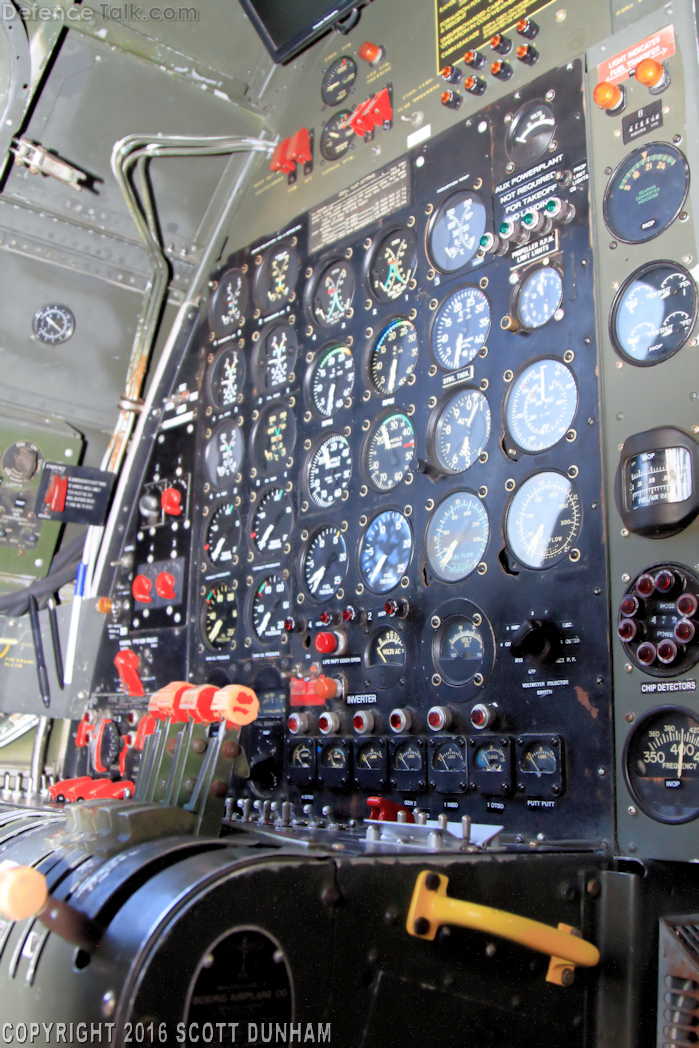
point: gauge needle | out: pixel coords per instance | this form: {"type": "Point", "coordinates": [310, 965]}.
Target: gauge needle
{"type": "Point", "coordinates": [379, 565]}
{"type": "Point", "coordinates": [380, 654]}
{"type": "Point", "coordinates": [264, 623]}
{"type": "Point", "coordinates": [54, 324]}
{"type": "Point", "coordinates": [386, 438]}
{"type": "Point", "coordinates": [216, 630]}
{"type": "Point", "coordinates": [316, 579]}
{"type": "Point", "coordinates": [532, 761]}
{"type": "Point", "coordinates": [543, 387]}
{"type": "Point", "coordinates": [331, 397]}
{"type": "Point", "coordinates": [466, 448]}
{"type": "Point", "coordinates": [448, 554]}
{"type": "Point", "coordinates": [263, 541]}
{"type": "Point", "coordinates": [457, 356]}
{"type": "Point", "coordinates": [392, 375]}
{"type": "Point", "coordinates": [219, 546]}
{"type": "Point", "coordinates": [536, 538]}
{"type": "Point", "coordinates": [680, 757]}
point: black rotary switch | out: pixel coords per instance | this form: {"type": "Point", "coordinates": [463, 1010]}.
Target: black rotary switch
{"type": "Point", "coordinates": [536, 639]}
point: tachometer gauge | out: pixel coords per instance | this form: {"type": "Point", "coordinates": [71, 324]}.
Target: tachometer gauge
{"type": "Point", "coordinates": [275, 279]}
{"type": "Point", "coordinates": [539, 296]}
{"type": "Point", "coordinates": [540, 406]}
{"type": "Point", "coordinates": [393, 357]}
{"type": "Point", "coordinates": [330, 293]}
{"type": "Point", "coordinates": [226, 377]}
{"type": "Point", "coordinates": [388, 448]}
{"type": "Point", "coordinates": [458, 430]}
{"type": "Point", "coordinates": [459, 328]}
{"type": "Point", "coordinates": [661, 764]}
{"type": "Point", "coordinates": [324, 563]}
{"type": "Point", "coordinates": [384, 657]}
{"type": "Point", "coordinates": [455, 230]}
{"type": "Point", "coordinates": [338, 80]}
{"type": "Point", "coordinates": [223, 454]}
{"type": "Point", "coordinates": [219, 616]}
{"type": "Point", "coordinates": [530, 132]}
{"type": "Point", "coordinates": [273, 436]}
{"type": "Point", "coordinates": [328, 470]}
{"type": "Point", "coordinates": [392, 265]}
{"type": "Point", "coordinates": [337, 136]}
{"type": "Point", "coordinates": [330, 380]}
{"type": "Point", "coordinates": [223, 535]}
{"type": "Point", "coordinates": [653, 313]}
{"type": "Point", "coordinates": [456, 536]}
{"type": "Point", "coordinates": [459, 649]}
{"type": "Point", "coordinates": [270, 607]}
{"type": "Point", "coordinates": [276, 356]}
{"type": "Point", "coordinates": [272, 522]}
{"type": "Point", "coordinates": [228, 303]}
{"type": "Point", "coordinates": [543, 520]}
{"type": "Point", "coordinates": [385, 551]}
{"type": "Point", "coordinates": [646, 192]}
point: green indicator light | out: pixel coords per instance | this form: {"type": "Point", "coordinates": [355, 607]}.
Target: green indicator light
{"type": "Point", "coordinates": [550, 205]}
{"type": "Point", "coordinates": [484, 240]}
{"type": "Point", "coordinates": [528, 218]}
{"type": "Point", "coordinates": [504, 229]}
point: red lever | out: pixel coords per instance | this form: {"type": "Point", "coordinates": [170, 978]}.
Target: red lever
{"type": "Point", "coordinates": [197, 703]}
{"type": "Point", "coordinates": [384, 810]}
{"type": "Point", "coordinates": [326, 643]}
{"type": "Point", "coordinates": [98, 743]}
{"type": "Point", "coordinates": [281, 161]}
{"type": "Point", "coordinates": [85, 730]}
{"type": "Point", "coordinates": [146, 727]}
{"type": "Point", "coordinates": [300, 147]}
{"type": "Point", "coordinates": [127, 663]}
{"type": "Point", "coordinates": [165, 703]}
{"type": "Point", "coordinates": [141, 588]}
{"type": "Point", "coordinates": [165, 586]}
{"type": "Point", "coordinates": [171, 501]}
{"type": "Point", "coordinates": [55, 497]}
{"type": "Point", "coordinates": [381, 109]}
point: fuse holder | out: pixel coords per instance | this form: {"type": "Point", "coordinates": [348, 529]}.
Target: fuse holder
{"type": "Point", "coordinates": [165, 703]}
{"type": "Point", "coordinates": [236, 704]}
{"type": "Point", "coordinates": [127, 663]}
{"type": "Point", "coordinates": [609, 97]}
{"type": "Point", "coordinates": [141, 589]}
{"type": "Point", "coordinates": [55, 497]}
{"type": "Point", "coordinates": [383, 810]}
{"type": "Point", "coordinates": [196, 702]}
{"type": "Point", "coordinates": [165, 586]}
{"type": "Point", "coordinates": [299, 148]}
{"type": "Point", "coordinates": [171, 502]}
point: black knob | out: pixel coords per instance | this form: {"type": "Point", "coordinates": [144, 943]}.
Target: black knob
{"type": "Point", "coordinates": [537, 639]}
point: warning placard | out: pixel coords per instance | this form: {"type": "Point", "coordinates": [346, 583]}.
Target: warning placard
{"type": "Point", "coordinates": [465, 24]}
{"type": "Point", "coordinates": [74, 494]}
{"type": "Point", "coordinates": [658, 46]}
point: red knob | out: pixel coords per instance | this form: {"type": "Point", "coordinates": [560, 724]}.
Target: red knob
{"type": "Point", "coordinates": [165, 586]}
{"type": "Point", "coordinates": [127, 663]}
{"type": "Point", "coordinates": [371, 53]}
{"type": "Point", "coordinates": [326, 643]}
{"type": "Point", "coordinates": [326, 688]}
{"type": "Point", "coordinates": [141, 589]}
{"type": "Point", "coordinates": [171, 501]}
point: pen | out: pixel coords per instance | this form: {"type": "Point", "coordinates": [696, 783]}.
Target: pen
{"type": "Point", "coordinates": [39, 652]}
{"type": "Point", "coordinates": [56, 641]}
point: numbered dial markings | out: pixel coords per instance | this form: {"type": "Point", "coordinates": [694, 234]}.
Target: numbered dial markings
{"type": "Point", "coordinates": [384, 658]}
{"type": "Point", "coordinates": [223, 454]}
{"type": "Point", "coordinates": [459, 650]}
{"type": "Point", "coordinates": [223, 535]}
{"type": "Point", "coordinates": [329, 469]}
{"type": "Point", "coordinates": [408, 757]}
{"type": "Point", "coordinates": [646, 192]}
{"type": "Point", "coordinates": [220, 616]}
{"type": "Point", "coordinates": [270, 607]}
{"type": "Point", "coordinates": [389, 448]}
{"type": "Point", "coordinates": [456, 536]}
{"type": "Point", "coordinates": [543, 520]}
{"type": "Point", "coordinates": [337, 136]}
{"type": "Point", "coordinates": [490, 757]}
{"type": "Point", "coordinates": [301, 756]}
{"type": "Point", "coordinates": [662, 765]}
{"type": "Point", "coordinates": [393, 357]}
{"type": "Point", "coordinates": [331, 380]}
{"type": "Point", "coordinates": [539, 296]}
{"type": "Point", "coordinates": [338, 81]}
{"type": "Point", "coordinates": [460, 327]}
{"type": "Point", "coordinates": [530, 132]}
{"type": "Point", "coordinates": [385, 551]}
{"type": "Point", "coordinates": [276, 356]}
{"type": "Point", "coordinates": [331, 293]}
{"type": "Point", "coordinates": [274, 436]}
{"type": "Point", "coordinates": [275, 279]}
{"type": "Point", "coordinates": [654, 313]}
{"type": "Point", "coordinates": [455, 231]}
{"type": "Point", "coordinates": [228, 303]}
{"type": "Point", "coordinates": [538, 758]}
{"type": "Point", "coordinates": [53, 324]}
{"type": "Point", "coordinates": [393, 265]}
{"type": "Point", "coordinates": [541, 405]}
{"type": "Point", "coordinates": [460, 430]}
{"type": "Point", "coordinates": [226, 377]}
{"type": "Point", "coordinates": [325, 563]}
{"type": "Point", "coordinates": [272, 522]}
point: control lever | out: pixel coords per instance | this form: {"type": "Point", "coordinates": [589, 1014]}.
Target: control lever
{"type": "Point", "coordinates": [24, 893]}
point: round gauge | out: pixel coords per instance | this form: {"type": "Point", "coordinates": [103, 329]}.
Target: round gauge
{"type": "Point", "coordinates": [490, 757]}
{"type": "Point", "coordinates": [456, 536]}
{"type": "Point", "coordinates": [530, 132]}
{"type": "Point", "coordinates": [274, 436]}
{"type": "Point", "coordinates": [653, 313]}
{"type": "Point", "coordinates": [334, 756]}
{"type": "Point", "coordinates": [543, 520]}
{"type": "Point", "coordinates": [539, 296]}
{"type": "Point", "coordinates": [330, 293]}
{"type": "Point", "coordinates": [338, 81]}
{"type": "Point", "coordinates": [226, 377]}
{"type": "Point", "coordinates": [270, 607]}
{"type": "Point", "coordinates": [393, 356]}
{"type": "Point", "coordinates": [337, 136]}
{"type": "Point", "coordinates": [223, 454]}
{"type": "Point", "coordinates": [272, 522]}
{"type": "Point", "coordinates": [328, 470]}
{"type": "Point", "coordinates": [388, 449]}
{"type": "Point", "coordinates": [276, 356]}
{"type": "Point", "coordinates": [448, 757]}
{"type": "Point", "coordinates": [301, 755]}
{"type": "Point", "coordinates": [219, 616]}
{"type": "Point", "coordinates": [661, 766]}
{"type": "Point", "coordinates": [371, 756]}
{"type": "Point", "coordinates": [460, 327]}
{"type": "Point", "coordinates": [21, 461]}
{"type": "Point", "coordinates": [459, 430]}
{"type": "Point", "coordinates": [541, 405]}
{"type": "Point", "coordinates": [228, 303]}
{"type": "Point", "coordinates": [276, 278]}
{"type": "Point", "coordinates": [384, 657]}
{"type": "Point", "coordinates": [455, 231]}
{"type": "Point", "coordinates": [459, 649]}
{"type": "Point", "coordinates": [407, 757]}
{"type": "Point", "coordinates": [223, 535]}
{"type": "Point", "coordinates": [385, 551]}
{"type": "Point", "coordinates": [331, 379]}
{"type": "Point", "coordinates": [392, 265]}
{"type": "Point", "coordinates": [538, 758]}
{"type": "Point", "coordinates": [324, 563]}
{"type": "Point", "coordinates": [53, 324]}
{"type": "Point", "coordinates": [646, 192]}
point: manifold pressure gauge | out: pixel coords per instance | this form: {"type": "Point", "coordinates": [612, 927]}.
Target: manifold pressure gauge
{"type": "Point", "coordinates": [388, 449]}
{"type": "Point", "coordinates": [53, 324]}
{"type": "Point", "coordinates": [655, 491]}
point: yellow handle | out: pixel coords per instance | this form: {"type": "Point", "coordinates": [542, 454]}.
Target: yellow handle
{"type": "Point", "coordinates": [430, 908]}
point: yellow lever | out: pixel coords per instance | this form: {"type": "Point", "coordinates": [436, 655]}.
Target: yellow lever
{"type": "Point", "coordinates": [430, 908]}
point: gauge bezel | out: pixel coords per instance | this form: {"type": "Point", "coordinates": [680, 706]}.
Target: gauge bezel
{"type": "Point", "coordinates": [255, 509]}
{"type": "Point", "coordinates": [67, 332]}
{"type": "Point", "coordinates": [267, 308]}
{"type": "Point", "coordinates": [445, 691]}
{"type": "Point", "coordinates": [312, 286]}
{"type": "Point", "coordinates": [518, 289]}
{"type": "Point", "coordinates": [437, 215]}
{"type": "Point", "coordinates": [429, 569]}
{"type": "Point", "coordinates": [227, 348]}
{"type": "Point", "coordinates": [226, 423]}
{"type": "Point", "coordinates": [235, 559]}
{"type": "Point", "coordinates": [368, 670]}
{"type": "Point", "coordinates": [346, 113]}
{"type": "Point", "coordinates": [263, 467]}
{"type": "Point", "coordinates": [233, 332]}
{"type": "Point", "coordinates": [389, 508]}
{"type": "Point", "coordinates": [376, 423]}
{"type": "Point", "coordinates": [327, 73]}
{"type": "Point", "coordinates": [306, 469]}
{"type": "Point", "coordinates": [310, 374]}
{"type": "Point", "coordinates": [372, 343]}
{"type": "Point", "coordinates": [514, 559]}
{"type": "Point", "coordinates": [433, 326]}
{"type": "Point", "coordinates": [657, 711]}
{"type": "Point", "coordinates": [609, 188]}
{"type": "Point", "coordinates": [638, 274]}
{"type": "Point", "coordinates": [512, 126]}
{"type": "Point", "coordinates": [433, 421]}
{"type": "Point", "coordinates": [509, 438]}
{"type": "Point", "coordinates": [259, 353]}
{"type": "Point", "coordinates": [258, 578]}
{"type": "Point", "coordinates": [369, 258]}
{"type": "Point", "coordinates": [303, 553]}
{"type": "Point", "coordinates": [663, 519]}
{"type": "Point", "coordinates": [232, 644]}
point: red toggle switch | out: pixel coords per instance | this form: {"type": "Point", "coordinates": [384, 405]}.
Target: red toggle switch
{"type": "Point", "coordinates": [381, 109]}
{"type": "Point", "coordinates": [384, 810]}
{"type": "Point", "coordinates": [361, 120]}
{"type": "Point", "coordinates": [171, 501]}
{"type": "Point", "coordinates": [55, 497]}
{"type": "Point", "coordinates": [141, 589]}
{"type": "Point", "coordinates": [165, 586]}
{"type": "Point", "coordinates": [326, 643]}
{"type": "Point", "coordinates": [127, 663]}
{"type": "Point", "coordinates": [281, 161]}
{"type": "Point", "coordinates": [300, 147]}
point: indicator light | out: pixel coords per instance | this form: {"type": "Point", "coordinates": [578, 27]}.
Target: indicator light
{"type": "Point", "coordinates": [501, 44]}
{"type": "Point", "coordinates": [371, 53]}
{"type": "Point", "coordinates": [627, 630]}
{"type": "Point", "coordinates": [328, 723]}
{"type": "Point", "coordinates": [560, 210]}
{"type": "Point", "coordinates": [652, 75]}
{"type": "Point", "coordinates": [609, 97]}
{"type": "Point", "coordinates": [298, 723]}
{"type": "Point", "coordinates": [528, 28]}
{"type": "Point", "coordinates": [294, 625]}
{"type": "Point", "coordinates": [451, 74]}
{"type": "Point", "coordinates": [475, 59]}
{"type": "Point", "coordinates": [363, 722]}
{"type": "Point", "coordinates": [484, 715]}
{"type": "Point", "coordinates": [165, 586]}
{"type": "Point", "coordinates": [353, 614]}
{"type": "Point", "coordinates": [646, 653]}
{"type": "Point", "coordinates": [501, 70]}
{"type": "Point", "coordinates": [667, 652]}
{"type": "Point", "coordinates": [645, 585]}
{"type": "Point", "coordinates": [687, 604]}
{"type": "Point", "coordinates": [141, 589]}
{"type": "Point", "coordinates": [630, 606]}
{"type": "Point", "coordinates": [510, 323]}
{"type": "Point", "coordinates": [684, 631]}
{"type": "Point", "coordinates": [528, 54]}
{"type": "Point", "coordinates": [400, 721]}
{"type": "Point", "coordinates": [451, 99]}
{"type": "Point", "coordinates": [171, 501]}
{"type": "Point", "coordinates": [327, 618]}
{"type": "Point", "coordinates": [475, 85]}
{"type": "Point", "coordinates": [396, 607]}
{"type": "Point", "coordinates": [439, 717]}
{"type": "Point", "coordinates": [665, 581]}
{"type": "Point", "coordinates": [325, 643]}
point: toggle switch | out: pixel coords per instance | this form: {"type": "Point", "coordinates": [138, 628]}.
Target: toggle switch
{"type": "Point", "coordinates": [127, 663]}
{"type": "Point", "coordinates": [281, 161]}
{"type": "Point", "coordinates": [55, 497]}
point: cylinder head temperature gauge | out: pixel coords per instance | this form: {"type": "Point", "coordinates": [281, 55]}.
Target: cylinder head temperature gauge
{"type": "Point", "coordinates": [661, 764]}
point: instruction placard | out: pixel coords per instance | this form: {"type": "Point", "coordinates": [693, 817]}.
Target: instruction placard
{"type": "Point", "coordinates": [466, 24]}
{"type": "Point", "coordinates": [74, 494]}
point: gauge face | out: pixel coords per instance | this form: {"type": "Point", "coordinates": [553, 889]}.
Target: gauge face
{"type": "Point", "coordinates": [538, 758]}
{"type": "Point", "coordinates": [270, 607]}
{"type": "Point", "coordinates": [460, 328]}
{"type": "Point", "coordinates": [301, 755]}
{"type": "Point", "coordinates": [325, 563]}
{"type": "Point", "coordinates": [338, 81]}
{"type": "Point", "coordinates": [276, 278]}
{"type": "Point", "coordinates": [408, 757]}
{"type": "Point", "coordinates": [393, 265]}
{"type": "Point", "coordinates": [389, 448]}
{"type": "Point", "coordinates": [543, 520]}
{"type": "Point", "coordinates": [226, 379]}
{"type": "Point", "coordinates": [223, 454]}
{"type": "Point", "coordinates": [384, 658]}
{"type": "Point", "coordinates": [539, 296]}
{"type": "Point", "coordinates": [332, 293]}
{"type": "Point", "coordinates": [654, 313]}
{"type": "Point", "coordinates": [530, 132]}
{"type": "Point", "coordinates": [272, 522]}
{"type": "Point", "coordinates": [455, 231]}
{"type": "Point", "coordinates": [334, 756]}
{"type": "Point", "coordinates": [448, 757]}
{"type": "Point", "coordinates": [371, 757]}
{"type": "Point", "coordinates": [385, 551]}
{"type": "Point", "coordinates": [646, 192]}
{"type": "Point", "coordinates": [490, 757]}
{"type": "Point", "coordinates": [337, 136]}
{"type": "Point", "coordinates": [661, 765]}
{"type": "Point", "coordinates": [228, 303]}
{"type": "Point", "coordinates": [541, 405]}
{"type": "Point", "coordinates": [331, 380]}
{"type": "Point", "coordinates": [223, 535]}
{"type": "Point", "coordinates": [659, 477]}
{"type": "Point", "coordinates": [459, 650]}
{"type": "Point", "coordinates": [393, 357]}
{"type": "Point", "coordinates": [220, 616]}
{"type": "Point", "coordinates": [461, 430]}
{"type": "Point", "coordinates": [329, 470]}
{"type": "Point", "coordinates": [21, 461]}
{"type": "Point", "coordinates": [274, 436]}
{"type": "Point", "coordinates": [53, 324]}
{"type": "Point", "coordinates": [456, 536]}
{"type": "Point", "coordinates": [277, 356]}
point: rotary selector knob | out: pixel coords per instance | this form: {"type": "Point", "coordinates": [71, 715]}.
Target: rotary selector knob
{"type": "Point", "coordinates": [536, 639]}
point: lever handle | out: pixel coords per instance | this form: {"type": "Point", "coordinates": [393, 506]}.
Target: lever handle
{"type": "Point", "coordinates": [431, 907]}
{"type": "Point", "coordinates": [24, 893]}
